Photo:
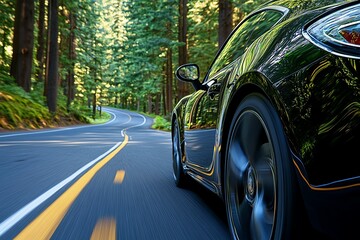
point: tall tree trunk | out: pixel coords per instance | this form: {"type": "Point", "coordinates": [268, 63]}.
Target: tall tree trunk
{"type": "Point", "coordinates": [116, 99]}
{"type": "Point", "coordinates": [138, 105]}
{"type": "Point", "coordinates": [94, 105]}
{"type": "Point", "coordinates": [89, 101]}
{"type": "Point", "coordinates": [23, 43]}
{"type": "Point", "coordinates": [53, 56]}
{"type": "Point", "coordinates": [150, 102]}
{"type": "Point", "coordinates": [157, 103]}
{"type": "Point", "coordinates": [163, 90]}
{"type": "Point", "coordinates": [72, 56]}
{"type": "Point", "coordinates": [169, 81]}
{"type": "Point", "coordinates": [225, 20]}
{"type": "Point", "coordinates": [41, 41]}
{"type": "Point", "coordinates": [124, 102]}
{"type": "Point", "coordinates": [169, 69]}
{"type": "Point", "coordinates": [3, 52]}
{"type": "Point", "coordinates": [183, 88]}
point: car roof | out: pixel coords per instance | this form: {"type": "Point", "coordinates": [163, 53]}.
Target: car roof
{"type": "Point", "coordinates": [299, 6]}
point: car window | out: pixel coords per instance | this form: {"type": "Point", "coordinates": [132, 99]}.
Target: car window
{"type": "Point", "coordinates": [243, 36]}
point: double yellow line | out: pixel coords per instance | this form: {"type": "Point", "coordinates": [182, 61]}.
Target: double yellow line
{"type": "Point", "coordinates": [44, 226]}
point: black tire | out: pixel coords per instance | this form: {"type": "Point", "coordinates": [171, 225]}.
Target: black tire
{"type": "Point", "coordinates": [260, 185]}
{"type": "Point", "coordinates": [178, 171]}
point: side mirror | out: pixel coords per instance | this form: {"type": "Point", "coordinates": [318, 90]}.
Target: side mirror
{"type": "Point", "coordinates": [189, 73]}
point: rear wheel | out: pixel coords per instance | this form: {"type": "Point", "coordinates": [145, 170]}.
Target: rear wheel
{"type": "Point", "coordinates": [178, 172]}
{"type": "Point", "coordinates": [259, 177]}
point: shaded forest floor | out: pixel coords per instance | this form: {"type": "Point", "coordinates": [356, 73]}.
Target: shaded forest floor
{"type": "Point", "coordinates": [23, 111]}
{"type": "Point", "coordinates": [19, 110]}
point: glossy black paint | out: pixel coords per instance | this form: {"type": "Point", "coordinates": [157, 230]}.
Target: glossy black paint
{"type": "Point", "coordinates": [316, 95]}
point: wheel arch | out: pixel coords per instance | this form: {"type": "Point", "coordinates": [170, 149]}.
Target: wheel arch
{"type": "Point", "coordinates": [178, 114]}
{"type": "Point", "coordinates": [253, 82]}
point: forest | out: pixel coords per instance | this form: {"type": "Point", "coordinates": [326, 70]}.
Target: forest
{"type": "Point", "coordinates": [69, 55]}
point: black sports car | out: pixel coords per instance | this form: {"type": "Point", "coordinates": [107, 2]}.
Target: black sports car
{"type": "Point", "coordinates": [274, 127]}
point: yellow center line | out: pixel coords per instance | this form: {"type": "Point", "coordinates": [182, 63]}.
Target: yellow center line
{"type": "Point", "coordinates": [46, 223]}
{"type": "Point", "coordinates": [119, 177]}
{"type": "Point", "coordinates": [104, 229]}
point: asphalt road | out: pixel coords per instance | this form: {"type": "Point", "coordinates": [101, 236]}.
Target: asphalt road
{"type": "Point", "coordinates": [109, 181]}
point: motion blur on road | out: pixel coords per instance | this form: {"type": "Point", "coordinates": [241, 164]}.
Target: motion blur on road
{"type": "Point", "coordinates": [109, 181]}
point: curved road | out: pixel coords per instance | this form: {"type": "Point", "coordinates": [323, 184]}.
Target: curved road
{"type": "Point", "coordinates": [109, 181]}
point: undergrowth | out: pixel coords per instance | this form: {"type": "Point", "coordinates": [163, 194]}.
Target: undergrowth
{"type": "Point", "coordinates": [22, 110]}
{"type": "Point", "coordinates": [161, 123]}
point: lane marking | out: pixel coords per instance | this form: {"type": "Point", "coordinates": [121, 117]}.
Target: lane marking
{"type": "Point", "coordinates": [119, 177]}
{"type": "Point", "coordinates": [139, 125]}
{"type": "Point", "coordinates": [104, 229]}
{"type": "Point", "coordinates": [24, 211]}
{"type": "Point", "coordinates": [20, 214]}
{"type": "Point", "coordinates": [46, 223]}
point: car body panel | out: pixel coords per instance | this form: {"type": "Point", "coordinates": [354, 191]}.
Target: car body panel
{"type": "Point", "coordinates": [317, 97]}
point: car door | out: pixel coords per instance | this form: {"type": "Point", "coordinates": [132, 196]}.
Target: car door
{"type": "Point", "coordinates": [202, 110]}
{"type": "Point", "coordinates": [201, 118]}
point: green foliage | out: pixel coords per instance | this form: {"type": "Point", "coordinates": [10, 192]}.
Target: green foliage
{"type": "Point", "coordinates": [248, 6]}
{"type": "Point", "coordinates": [122, 53]}
{"type": "Point", "coordinates": [147, 40]}
{"type": "Point", "coordinates": [37, 93]}
{"type": "Point", "coordinates": [203, 33]}
{"type": "Point", "coordinates": [7, 10]}
{"type": "Point", "coordinates": [10, 87]}
{"type": "Point", "coordinates": [104, 117]}
{"type": "Point", "coordinates": [161, 123]}
{"type": "Point", "coordinates": [19, 112]}
{"type": "Point", "coordinates": [19, 109]}
{"type": "Point", "coordinates": [5, 79]}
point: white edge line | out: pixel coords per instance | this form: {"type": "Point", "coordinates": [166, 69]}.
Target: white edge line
{"type": "Point", "coordinates": [124, 130]}
{"type": "Point", "coordinates": [20, 214]}
{"type": "Point", "coordinates": [144, 121]}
